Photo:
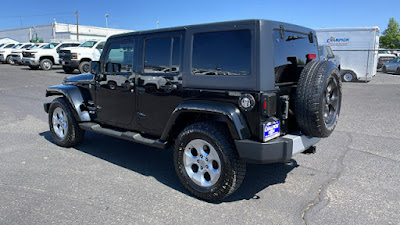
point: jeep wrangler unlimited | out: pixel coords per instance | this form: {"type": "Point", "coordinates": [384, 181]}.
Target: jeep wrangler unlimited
{"type": "Point", "coordinates": [222, 95]}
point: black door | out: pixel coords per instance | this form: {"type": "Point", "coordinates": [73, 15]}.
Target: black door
{"type": "Point", "coordinates": [159, 80]}
{"type": "Point", "coordinates": [115, 88]}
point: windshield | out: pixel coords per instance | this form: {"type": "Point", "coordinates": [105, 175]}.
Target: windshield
{"type": "Point", "coordinates": [34, 46]}
{"type": "Point", "coordinates": [384, 52]}
{"type": "Point", "coordinates": [50, 46]}
{"type": "Point", "coordinates": [88, 44]}
{"type": "Point", "coordinates": [26, 46]}
{"type": "Point", "coordinates": [2, 45]}
{"type": "Point", "coordinates": [9, 46]}
{"type": "Point", "coordinates": [16, 46]}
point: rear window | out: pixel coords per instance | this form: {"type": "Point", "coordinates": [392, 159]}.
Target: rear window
{"type": "Point", "coordinates": [222, 53]}
{"type": "Point", "coordinates": [293, 48]}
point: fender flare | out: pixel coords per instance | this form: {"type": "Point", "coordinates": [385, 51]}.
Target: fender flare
{"type": "Point", "coordinates": [75, 98]}
{"type": "Point", "coordinates": [229, 112]}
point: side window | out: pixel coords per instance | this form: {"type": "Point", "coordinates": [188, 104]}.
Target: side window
{"type": "Point", "coordinates": [100, 45]}
{"type": "Point", "coordinates": [162, 55]}
{"type": "Point", "coordinates": [119, 57]}
{"type": "Point", "coordinates": [222, 53]}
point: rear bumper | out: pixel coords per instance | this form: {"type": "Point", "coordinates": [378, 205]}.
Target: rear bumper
{"type": "Point", "coordinates": [277, 150]}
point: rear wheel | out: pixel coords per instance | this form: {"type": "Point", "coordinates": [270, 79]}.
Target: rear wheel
{"type": "Point", "coordinates": [318, 99]}
{"type": "Point", "coordinates": [46, 64]}
{"type": "Point", "coordinates": [84, 67]}
{"type": "Point", "coordinates": [207, 163]}
{"type": "Point", "coordinates": [68, 69]}
{"type": "Point", "coordinates": [63, 126]}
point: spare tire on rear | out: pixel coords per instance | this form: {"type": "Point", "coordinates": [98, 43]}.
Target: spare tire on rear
{"type": "Point", "coordinates": [318, 99]}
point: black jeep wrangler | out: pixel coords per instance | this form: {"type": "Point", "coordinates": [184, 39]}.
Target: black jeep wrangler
{"type": "Point", "coordinates": [222, 95]}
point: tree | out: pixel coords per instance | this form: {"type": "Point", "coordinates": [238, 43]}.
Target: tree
{"type": "Point", "coordinates": [391, 36]}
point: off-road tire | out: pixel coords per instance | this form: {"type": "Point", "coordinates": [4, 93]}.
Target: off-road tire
{"type": "Point", "coordinates": [74, 134]}
{"type": "Point", "coordinates": [232, 168]}
{"type": "Point", "coordinates": [68, 69]}
{"type": "Point", "coordinates": [84, 67]}
{"type": "Point", "coordinates": [33, 67]}
{"type": "Point", "coordinates": [311, 98]}
{"type": "Point", "coordinates": [347, 73]}
{"type": "Point", "coordinates": [46, 64]}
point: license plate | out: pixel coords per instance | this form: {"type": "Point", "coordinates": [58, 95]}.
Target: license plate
{"type": "Point", "coordinates": [271, 130]}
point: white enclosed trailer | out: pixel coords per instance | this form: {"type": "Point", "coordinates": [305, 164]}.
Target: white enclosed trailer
{"type": "Point", "coordinates": [357, 48]}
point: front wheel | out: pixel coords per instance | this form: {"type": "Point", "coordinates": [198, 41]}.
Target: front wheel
{"type": "Point", "coordinates": [384, 69]}
{"type": "Point", "coordinates": [63, 126]}
{"type": "Point", "coordinates": [397, 70]}
{"type": "Point", "coordinates": [206, 161]}
{"type": "Point", "coordinates": [84, 67]}
{"type": "Point", "coordinates": [46, 64]}
{"type": "Point", "coordinates": [10, 60]}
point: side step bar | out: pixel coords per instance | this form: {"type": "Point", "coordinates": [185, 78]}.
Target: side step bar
{"type": "Point", "coordinates": [126, 135]}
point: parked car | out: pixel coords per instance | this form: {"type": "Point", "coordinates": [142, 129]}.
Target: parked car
{"type": "Point", "coordinates": [72, 58]}
{"type": "Point", "coordinates": [392, 66]}
{"type": "Point", "coordinates": [326, 53]}
{"type": "Point", "coordinates": [16, 55]}
{"type": "Point", "coordinates": [6, 53]}
{"type": "Point", "coordinates": [45, 57]}
{"type": "Point", "coordinates": [384, 56]}
{"type": "Point", "coordinates": [238, 113]}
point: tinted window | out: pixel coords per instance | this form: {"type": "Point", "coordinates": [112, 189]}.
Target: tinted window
{"type": "Point", "coordinates": [120, 54]}
{"type": "Point", "coordinates": [9, 46]}
{"type": "Point", "coordinates": [162, 55]}
{"type": "Point", "coordinates": [222, 53]}
{"type": "Point", "coordinates": [293, 46]}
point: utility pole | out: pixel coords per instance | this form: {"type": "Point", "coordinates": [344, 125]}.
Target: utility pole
{"type": "Point", "coordinates": [106, 20]}
{"type": "Point", "coordinates": [77, 25]}
{"type": "Point", "coordinates": [158, 22]}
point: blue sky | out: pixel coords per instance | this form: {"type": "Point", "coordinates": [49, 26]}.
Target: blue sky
{"type": "Point", "coordinates": [143, 15]}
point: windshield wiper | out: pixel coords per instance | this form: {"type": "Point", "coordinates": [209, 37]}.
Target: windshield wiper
{"type": "Point", "coordinates": [294, 37]}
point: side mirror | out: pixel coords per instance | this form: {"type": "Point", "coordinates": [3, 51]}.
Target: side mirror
{"type": "Point", "coordinates": [95, 67]}
{"type": "Point", "coordinates": [329, 56]}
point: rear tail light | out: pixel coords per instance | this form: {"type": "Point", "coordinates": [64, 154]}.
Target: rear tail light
{"type": "Point", "coordinates": [268, 104]}
{"type": "Point", "coordinates": [311, 56]}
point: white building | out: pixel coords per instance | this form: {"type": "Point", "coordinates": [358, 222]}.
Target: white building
{"type": "Point", "coordinates": [7, 40]}
{"type": "Point", "coordinates": [55, 32]}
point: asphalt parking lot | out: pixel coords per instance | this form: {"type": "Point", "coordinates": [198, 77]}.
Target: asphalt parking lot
{"type": "Point", "coordinates": [352, 179]}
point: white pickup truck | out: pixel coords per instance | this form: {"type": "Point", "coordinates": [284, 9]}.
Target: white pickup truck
{"type": "Point", "coordinates": [5, 54]}
{"type": "Point", "coordinates": [45, 57]}
{"type": "Point", "coordinates": [80, 57]}
{"type": "Point", "coordinates": [17, 54]}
